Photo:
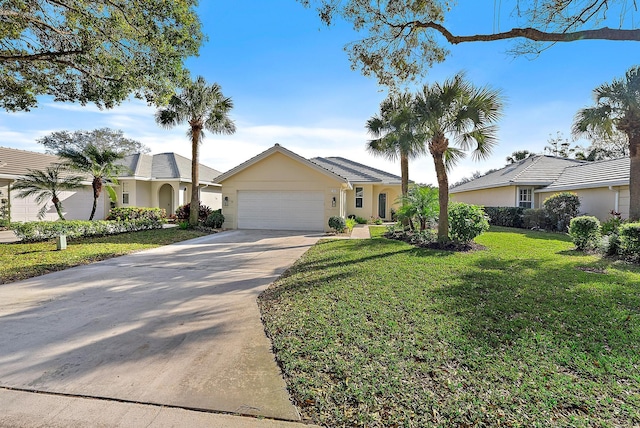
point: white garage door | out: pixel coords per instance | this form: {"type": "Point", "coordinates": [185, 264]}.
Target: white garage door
{"type": "Point", "coordinates": [281, 210]}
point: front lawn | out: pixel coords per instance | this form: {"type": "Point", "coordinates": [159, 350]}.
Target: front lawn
{"type": "Point", "coordinates": [526, 333]}
{"type": "Point", "coordinates": [20, 261]}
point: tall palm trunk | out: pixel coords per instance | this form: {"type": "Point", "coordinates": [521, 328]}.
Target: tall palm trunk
{"type": "Point", "coordinates": [404, 173]}
{"type": "Point", "coordinates": [634, 177]}
{"type": "Point", "coordinates": [96, 184]}
{"type": "Point", "coordinates": [196, 131]}
{"type": "Point", "coordinates": [438, 146]}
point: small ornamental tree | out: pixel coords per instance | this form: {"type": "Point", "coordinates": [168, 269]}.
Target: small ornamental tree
{"type": "Point", "coordinates": [561, 208]}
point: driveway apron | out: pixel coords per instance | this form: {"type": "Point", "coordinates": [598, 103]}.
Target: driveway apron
{"type": "Point", "coordinates": [177, 326]}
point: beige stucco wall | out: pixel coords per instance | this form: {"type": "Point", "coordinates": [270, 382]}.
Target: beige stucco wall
{"type": "Point", "coordinates": [279, 172]}
{"type": "Point", "coordinates": [599, 201]}
{"type": "Point", "coordinates": [497, 197]}
{"type": "Point", "coordinates": [143, 194]}
{"type": "Point", "coordinates": [370, 201]}
{"type": "Point", "coordinates": [211, 197]}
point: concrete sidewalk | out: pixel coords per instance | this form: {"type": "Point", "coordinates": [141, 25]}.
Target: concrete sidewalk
{"type": "Point", "coordinates": [360, 231]}
{"type": "Point", "coordinates": [171, 331]}
{"type": "Point", "coordinates": [23, 409]}
{"type": "Point", "coordinates": [7, 236]}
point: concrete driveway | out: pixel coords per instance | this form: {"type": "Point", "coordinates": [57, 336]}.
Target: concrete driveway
{"type": "Point", "coordinates": [174, 326]}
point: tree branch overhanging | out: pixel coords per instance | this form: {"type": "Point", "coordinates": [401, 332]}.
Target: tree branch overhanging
{"type": "Point", "coordinates": [533, 34]}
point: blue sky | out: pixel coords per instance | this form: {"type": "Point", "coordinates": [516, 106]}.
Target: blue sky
{"type": "Point", "coordinates": [292, 84]}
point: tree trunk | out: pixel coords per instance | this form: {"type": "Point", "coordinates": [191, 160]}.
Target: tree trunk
{"type": "Point", "coordinates": [438, 147]}
{"type": "Point", "coordinates": [97, 189]}
{"type": "Point", "coordinates": [196, 131]}
{"type": "Point", "coordinates": [634, 175]}
{"type": "Point", "coordinates": [58, 205]}
{"type": "Point", "coordinates": [404, 172]}
{"type": "Point", "coordinates": [443, 197]}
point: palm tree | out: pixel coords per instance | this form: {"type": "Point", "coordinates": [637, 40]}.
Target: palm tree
{"type": "Point", "coordinates": [458, 110]}
{"type": "Point", "coordinates": [203, 107]}
{"type": "Point", "coordinates": [617, 109]}
{"type": "Point", "coordinates": [101, 164]}
{"type": "Point", "coordinates": [395, 134]}
{"type": "Point", "coordinates": [45, 185]}
{"type": "Point", "coordinates": [518, 155]}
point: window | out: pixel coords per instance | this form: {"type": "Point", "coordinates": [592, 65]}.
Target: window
{"type": "Point", "coordinates": [525, 198]}
{"type": "Point", "coordinates": [359, 196]}
{"type": "Point", "coordinates": [125, 199]}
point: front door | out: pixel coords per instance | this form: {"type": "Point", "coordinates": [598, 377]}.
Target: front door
{"type": "Point", "coordinates": [382, 205]}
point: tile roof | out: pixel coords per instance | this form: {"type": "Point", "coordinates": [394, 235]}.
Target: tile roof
{"type": "Point", "coordinates": [613, 172]}
{"type": "Point", "coordinates": [15, 162]}
{"type": "Point", "coordinates": [537, 170]}
{"type": "Point", "coordinates": [356, 172]}
{"type": "Point", "coordinates": [165, 166]}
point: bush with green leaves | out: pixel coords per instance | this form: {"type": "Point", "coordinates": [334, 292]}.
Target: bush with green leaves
{"type": "Point", "coordinates": [360, 220]}
{"type": "Point", "coordinates": [466, 222]}
{"type": "Point", "coordinates": [337, 223]}
{"type": "Point", "coordinates": [35, 231]}
{"type": "Point", "coordinates": [535, 218]}
{"type": "Point", "coordinates": [629, 241]}
{"type": "Point", "coordinates": [350, 223]}
{"type": "Point", "coordinates": [561, 208]}
{"type": "Point", "coordinates": [612, 224]}
{"type": "Point", "coordinates": [137, 213]}
{"type": "Point", "coordinates": [182, 213]}
{"type": "Point", "coordinates": [585, 232]}
{"type": "Point", "coordinates": [505, 216]}
{"type": "Point", "coordinates": [420, 206]}
{"type": "Point", "coordinates": [215, 219]}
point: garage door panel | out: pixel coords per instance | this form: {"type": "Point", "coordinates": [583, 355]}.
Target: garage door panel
{"type": "Point", "coordinates": [295, 210]}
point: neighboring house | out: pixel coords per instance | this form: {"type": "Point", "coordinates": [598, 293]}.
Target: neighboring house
{"type": "Point", "coordinates": [164, 180]}
{"type": "Point", "coordinates": [602, 186]}
{"type": "Point", "coordinates": [76, 204]}
{"type": "Point", "coordinates": [279, 189]}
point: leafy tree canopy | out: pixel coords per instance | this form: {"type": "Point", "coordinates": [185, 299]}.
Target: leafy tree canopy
{"type": "Point", "coordinates": [98, 51]}
{"type": "Point", "coordinates": [403, 38]}
{"type": "Point", "coordinates": [103, 139]}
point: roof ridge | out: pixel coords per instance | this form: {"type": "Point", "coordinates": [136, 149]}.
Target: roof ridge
{"type": "Point", "coordinates": [367, 166]}
{"type": "Point", "coordinates": [350, 169]}
{"type": "Point", "coordinates": [534, 159]}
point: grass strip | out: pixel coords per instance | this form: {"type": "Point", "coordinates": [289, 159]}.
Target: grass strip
{"type": "Point", "coordinates": [20, 261]}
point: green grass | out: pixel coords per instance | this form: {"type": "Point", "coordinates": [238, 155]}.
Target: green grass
{"type": "Point", "coordinates": [20, 261]}
{"type": "Point", "coordinates": [525, 333]}
{"type": "Point", "coordinates": [377, 231]}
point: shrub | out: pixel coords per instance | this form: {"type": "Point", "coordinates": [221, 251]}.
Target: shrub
{"type": "Point", "coordinates": [629, 244]}
{"type": "Point", "coordinates": [466, 222]}
{"type": "Point", "coordinates": [337, 223]}
{"type": "Point", "coordinates": [608, 244]}
{"type": "Point", "coordinates": [182, 213]}
{"type": "Point", "coordinates": [350, 223]}
{"type": "Point", "coordinates": [215, 219]}
{"type": "Point", "coordinates": [505, 216]}
{"type": "Point", "coordinates": [612, 224]}
{"type": "Point", "coordinates": [360, 220]}
{"type": "Point", "coordinates": [535, 218]}
{"type": "Point", "coordinates": [35, 231]}
{"type": "Point", "coordinates": [584, 231]}
{"type": "Point", "coordinates": [137, 213]}
{"type": "Point", "coordinates": [561, 208]}
{"type": "Point", "coordinates": [184, 225]}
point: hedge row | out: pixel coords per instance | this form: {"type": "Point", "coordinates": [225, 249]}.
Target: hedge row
{"type": "Point", "coordinates": [34, 231]}
{"type": "Point", "coordinates": [137, 213]}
